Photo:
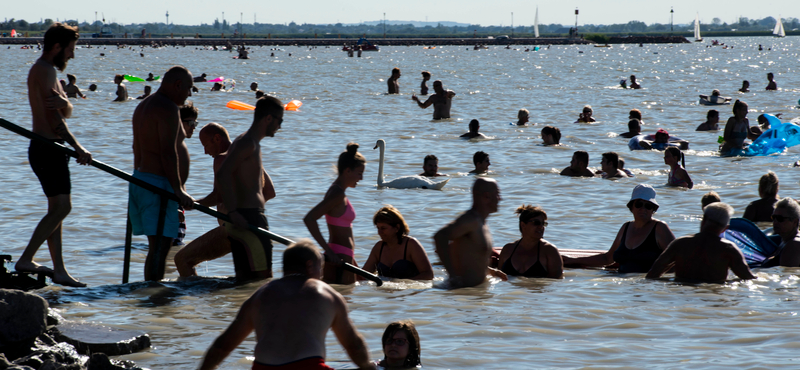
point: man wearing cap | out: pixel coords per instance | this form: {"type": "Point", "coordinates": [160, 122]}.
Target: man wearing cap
{"type": "Point", "coordinates": [704, 256]}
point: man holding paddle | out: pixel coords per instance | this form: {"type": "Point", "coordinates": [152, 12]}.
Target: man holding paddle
{"type": "Point", "coordinates": [49, 107]}
{"type": "Point", "coordinates": [156, 123]}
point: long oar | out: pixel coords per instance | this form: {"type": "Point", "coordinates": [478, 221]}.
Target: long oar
{"type": "Point", "coordinates": [127, 177]}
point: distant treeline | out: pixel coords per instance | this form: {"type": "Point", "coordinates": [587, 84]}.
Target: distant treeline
{"type": "Point", "coordinates": [216, 29]}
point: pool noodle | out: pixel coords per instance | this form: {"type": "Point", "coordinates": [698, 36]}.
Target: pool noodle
{"type": "Point", "coordinates": [237, 105]}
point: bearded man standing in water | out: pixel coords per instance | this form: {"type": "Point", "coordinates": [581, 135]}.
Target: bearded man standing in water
{"type": "Point", "coordinates": [49, 107]}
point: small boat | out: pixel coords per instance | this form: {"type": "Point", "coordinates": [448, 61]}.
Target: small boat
{"type": "Point", "coordinates": [364, 44]}
{"type": "Point", "coordinates": [697, 37]}
{"type": "Point", "coordinates": [779, 31]}
{"type": "Point", "coordinates": [603, 46]}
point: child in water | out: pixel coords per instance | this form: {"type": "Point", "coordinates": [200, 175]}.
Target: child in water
{"type": "Point", "coordinates": [677, 174]}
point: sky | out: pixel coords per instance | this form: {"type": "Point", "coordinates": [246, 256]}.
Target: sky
{"type": "Point", "coordinates": [485, 13]}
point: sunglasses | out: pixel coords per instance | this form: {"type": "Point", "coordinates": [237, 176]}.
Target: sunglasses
{"type": "Point", "coordinates": [647, 205]}
{"type": "Point", "coordinates": [191, 123]}
{"type": "Point", "coordinates": [780, 218]}
{"type": "Point", "coordinates": [397, 342]}
{"type": "Point", "coordinates": [538, 223]}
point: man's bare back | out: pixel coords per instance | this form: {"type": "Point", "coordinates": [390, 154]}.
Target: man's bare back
{"type": "Point", "coordinates": [706, 258]}
{"type": "Point", "coordinates": [156, 124]}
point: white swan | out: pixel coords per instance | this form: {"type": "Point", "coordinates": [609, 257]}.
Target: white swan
{"type": "Point", "coordinates": [405, 182]}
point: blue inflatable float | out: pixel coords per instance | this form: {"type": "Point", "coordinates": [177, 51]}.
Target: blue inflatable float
{"type": "Point", "coordinates": [775, 140]}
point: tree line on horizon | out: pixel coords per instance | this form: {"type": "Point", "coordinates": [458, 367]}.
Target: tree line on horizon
{"type": "Point", "coordinates": [216, 28]}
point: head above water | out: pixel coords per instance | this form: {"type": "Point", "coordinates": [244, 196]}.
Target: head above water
{"type": "Point", "coordinates": [302, 257]}
{"type": "Point", "coordinates": [479, 157]}
{"type": "Point", "coordinates": [529, 212]}
{"type": "Point", "coordinates": [708, 198]}
{"type": "Point", "coordinates": [611, 159]}
{"type": "Point", "coordinates": [711, 114]}
{"type": "Point", "coordinates": [553, 132]}
{"type": "Point", "coordinates": [634, 125]}
{"type": "Point", "coordinates": [643, 192]}
{"type": "Point", "coordinates": [392, 217]}
{"type": "Point", "coordinates": [716, 216]}
{"type": "Point", "coordinates": [474, 126]}
{"type": "Point", "coordinates": [523, 113]}
{"type": "Point", "coordinates": [662, 136]}
{"type": "Point", "coordinates": [269, 108]}
{"type": "Point", "coordinates": [768, 186]}
{"type": "Point", "coordinates": [413, 359]}
{"type": "Point", "coordinates": [635, 113]}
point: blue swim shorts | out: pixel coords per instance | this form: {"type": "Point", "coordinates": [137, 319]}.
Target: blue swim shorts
{"type": "Point", "coordinates": [144, 206]}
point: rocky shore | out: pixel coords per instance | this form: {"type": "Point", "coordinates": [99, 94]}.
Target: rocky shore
{"type": "Point", "coordinates": [35, 337]}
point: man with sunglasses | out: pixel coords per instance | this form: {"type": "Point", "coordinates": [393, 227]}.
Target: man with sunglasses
{"type": "Point", "coordinates": [704, 257]}
{"type": "Point", "coordinates": [785, 222]}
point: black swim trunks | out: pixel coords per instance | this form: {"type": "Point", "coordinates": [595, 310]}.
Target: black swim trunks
{"type": "Point", "coordinates": [252, 253]}
{"type": "Point", "coordinates": [51, 166]}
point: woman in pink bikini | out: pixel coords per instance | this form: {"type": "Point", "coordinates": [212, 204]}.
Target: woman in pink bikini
{"type": "Point", "coordinates": [339, 215]}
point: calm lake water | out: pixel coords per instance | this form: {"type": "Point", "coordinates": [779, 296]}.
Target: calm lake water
{"type": "Point", "coordinates": [592, 318]}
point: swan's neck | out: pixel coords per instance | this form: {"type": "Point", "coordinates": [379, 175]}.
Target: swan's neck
{"type": "Point", "coordinates": [380, 166]}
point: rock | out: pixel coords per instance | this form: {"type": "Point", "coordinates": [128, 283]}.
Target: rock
{"type": "Point", "coordinates": [62, 353]}
{"type": "Point", "coordinates": [23, 317]}
{"type": "Point", "coordinates": [94, 338]}
{"type": "Point", "coordinates": [100, 361]}
{"type": "Point", "coordinates": [15, 367]}
{"type": "Point", "coordinates": [4, 364]}
{"type": "Point", "coordinates": [53, 318]}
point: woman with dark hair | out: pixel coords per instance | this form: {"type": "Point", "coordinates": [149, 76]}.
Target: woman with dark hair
{"type": "Point", "coordinates": [551, 135]}
{"type": "Point", "coordinates": [673, 157]}
{"type": "Point", "coordinates": [397, 255]}
{"type": "Point", "coordinates": [339, 215]}
{"type": "Point", "coordinates": [531, 256]}
{"type": "Point", "coordinates": [736, 130]}
{"type": "Point", "coordinates": [401, 348]}
{"type": "Point", "coordinates": [639, 243]}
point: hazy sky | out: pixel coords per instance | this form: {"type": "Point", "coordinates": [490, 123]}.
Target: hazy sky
{"type": "Point", "coordinates": [495, 12]}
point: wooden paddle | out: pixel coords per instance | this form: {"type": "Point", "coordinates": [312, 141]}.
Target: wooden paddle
{"type": "Point", "coordinates": [127, 177]}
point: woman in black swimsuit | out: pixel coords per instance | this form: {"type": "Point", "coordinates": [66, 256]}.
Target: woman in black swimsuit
{"type": "Point", "coordinates": [531, 256]}
{"type": "Point", "coordinates": [639, 243]}
{"type": "Point", "coordinates": [397, 255]}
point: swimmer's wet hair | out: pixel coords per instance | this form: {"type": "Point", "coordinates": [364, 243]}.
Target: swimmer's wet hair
{"type": "Point", "coordinates": [188, 110]}
{"type": "Point", "coordinates": [523, 113]}
{"type": "Point", "coordinates": [612, 158]}
{"type": "Point", "coordinates": [553, 131]}
{"type": "Point", "coordinates": [712, 113]}
{"type": "Point", "coordinates": [768, 185]}
{"type": "Point", "coordinates": [710, 197]}
{"type": "Point", "coordinates": [426, 74]}
{"type": "Point", "coordinates": [528, 212]}
{"type": "Point", "coordinates": [635, 113]}
{"type": "Point", "coordinates": [71, 77]}
{"type": "Point", "coordinates": [582, 156]}
{"type": "Point", "coordinates": [634, 125]}
{"type": "Point", "coordinates": [392, 217]}
{"type": "Point", "coordinates": [474, 122]}
{"type": "Point", "coordinates": [478, 157]}
{"type": "Point", "coordinates": [296, 255]}
{"type": "Point", "coordinates": [589, 107]}
{"type": "Point", "coordinates": [676, 152]}
{"type": "Point", "coordinates": [213, 128]}
{"type": "Point", "coordinates": [429, 157]}
{"type": "Point", "coordinates": [119, 77]}
{"type": "Point", "coordinates": [350, 158]}
{"type": "Point", "coordinates": [718, 213]}
{"type": "Point", "coordinates": [395, 70]}
{"type": "Point", "coordinates": [60, 33]}
{"type": "Point", "coordinates": [413, 359]}
{"type": "Point", "coordinates": [789, 205]}
{"type": "Point", "coordinates": [268, 105]}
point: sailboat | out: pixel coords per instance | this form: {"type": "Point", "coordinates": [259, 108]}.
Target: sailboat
{"type": "Point", "coordinates": [536, 23]}
{"type": "Point", "coordinates": [779, 31]}
{"type": "Point", "coordinates": [697, 37]}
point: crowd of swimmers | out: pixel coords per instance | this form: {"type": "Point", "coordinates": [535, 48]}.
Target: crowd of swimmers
{"type": "Point", "coordinates": [291, 334]}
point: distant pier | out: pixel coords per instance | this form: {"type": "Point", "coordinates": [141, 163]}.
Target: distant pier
{"type": "Point", "coordinates": [203, 41]}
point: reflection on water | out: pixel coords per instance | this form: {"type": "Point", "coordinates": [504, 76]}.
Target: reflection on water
{"type": "Point", "coordinates": [591, 318]}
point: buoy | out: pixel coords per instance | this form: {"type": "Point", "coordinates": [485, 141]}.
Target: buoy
{"type": "Point", "coordinates": [293, 105]}
{"type": "Point", "coordinates": [237, 105]}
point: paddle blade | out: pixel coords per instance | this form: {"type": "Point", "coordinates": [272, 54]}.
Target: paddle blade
{"type": "Point", "coordinates": [293, 105]}
{"type": "Point", "coordinates": [237, 105]}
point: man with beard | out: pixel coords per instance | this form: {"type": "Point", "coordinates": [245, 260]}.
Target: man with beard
{"type": "Point", "coordinates": [156, 125]}
{"type": "Point", "coordinates": [49, 107]}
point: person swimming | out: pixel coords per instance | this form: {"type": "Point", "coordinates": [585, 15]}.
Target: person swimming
{"type": "Point", "coordinates": [677, 174]}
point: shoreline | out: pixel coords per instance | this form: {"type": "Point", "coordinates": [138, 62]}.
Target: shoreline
{"type": "Point", "coordinates": [342, 41]}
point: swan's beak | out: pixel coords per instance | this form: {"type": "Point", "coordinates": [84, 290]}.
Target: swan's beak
{"type": "Point", "coordinates": [376, 147]}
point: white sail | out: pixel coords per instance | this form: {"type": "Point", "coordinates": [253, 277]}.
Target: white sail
{"type": "Point", "coordinates": [779, 31]}
{"type": "Point", "coordinates": [697, 36]}
{"type": "Point", "coordinates": [536, 23]}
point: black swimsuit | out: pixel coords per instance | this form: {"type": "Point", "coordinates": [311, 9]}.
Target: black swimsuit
{"type": "Point", "coordinates": [639, 259]}
{"type": "Point", "coordinates": [401, 269]}
{"type": "Point", "coordinates": [535, 271]}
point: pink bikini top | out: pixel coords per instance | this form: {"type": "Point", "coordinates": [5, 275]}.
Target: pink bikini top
{"type": "Point", "coordinates": [346, 219]}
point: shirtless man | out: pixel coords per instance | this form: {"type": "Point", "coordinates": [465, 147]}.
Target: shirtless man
{"type": "Point", "coordinates": [609, 165]}
{"type": "Point", "coordinates": [430, 166]}
{"type": "Point", "coordinates": [711, 123]}
{"type": "Point", "coordinates": [254, 86]}
{"type": "Point", "coordinates": [201, 78]}
{"type": "Point", "coordinates": [465, 245]}
{"type": "Point", "coordinates": [474, 127]}
{"type": "Point", "coordinates": [772, 85]}
{"type": "Point", "coordinates": [150, 77]}
{"type": "Point", "coordinates": [147, 90]}
{"type": "Point", "coordinates": [634, 129]}
{"type": "Point", "coordinates": [49, 108]}
{"type": "Point", "coordinates": [423, 87]}
{"type": "Point", "coordinates": [704, 256]}
{"type": "Point", "coordinates": [394, 86]}
{"type": "Point", "coordinates": [634, 84]}
{"type": "Point", "coordinates": [578, 165]}
{"type": "Point", "coordinates": [785, 221]}
{"type": "Point", "coordinates": [523, 117]}
{"type": "Point", "coordinates": [122, 91]}
{"type": "Point", "coordinates": [481, 162]}
{"type": "Point", "coordinates": [71, 89]}
{"type": "Point", "coordinates": [240, 182]}
{"type": "Point", "coordinates": [441, 101]}
{"type": "Point", "coordinates": [213, 244]}
{"type": "Point", "coordinates": [156, 126]}
{"type": "Point", "coordinates": [291, 317]}
{"type": "Point", "coordinates": [745, 86]}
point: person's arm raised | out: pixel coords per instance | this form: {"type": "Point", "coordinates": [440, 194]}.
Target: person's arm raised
{"type": "Point", "coordinates": [239, 329]}
{"type": "Point", "coordinates": [347, 335]}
